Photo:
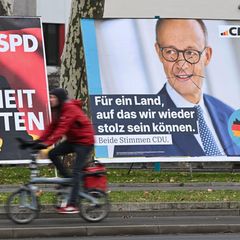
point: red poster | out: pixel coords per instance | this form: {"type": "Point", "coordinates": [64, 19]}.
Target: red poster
{"type": "Point", "coordinates": [24, 108]}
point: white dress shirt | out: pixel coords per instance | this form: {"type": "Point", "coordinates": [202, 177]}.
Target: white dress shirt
{"type": "Point", "coordinates": [181, 102]}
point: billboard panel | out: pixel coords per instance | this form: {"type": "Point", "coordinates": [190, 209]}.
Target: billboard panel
{"type": "Point", "coordinates": [163, 87]}
{"type": "Point", "coordinates": [24, 109]}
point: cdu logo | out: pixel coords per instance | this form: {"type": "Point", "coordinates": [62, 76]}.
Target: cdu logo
{"type": "Point", "coordinates": [234, 126]}
{"type": "Point", "coordinates": [229, 31]}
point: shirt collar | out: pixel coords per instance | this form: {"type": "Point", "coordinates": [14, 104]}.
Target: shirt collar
{"type": "Point", "coordinates": [179, 100]}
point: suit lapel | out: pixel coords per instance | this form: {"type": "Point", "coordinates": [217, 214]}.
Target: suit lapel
{"type": "Point", "coordinates": [219, 120]}
{"type": "Point", "coordinates": [186, 144]}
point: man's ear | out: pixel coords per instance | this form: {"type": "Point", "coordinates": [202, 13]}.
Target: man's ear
{"type": "Point", "coordinates": [208, 55]}
{"type": "Point", "coordinates": [158, 52]}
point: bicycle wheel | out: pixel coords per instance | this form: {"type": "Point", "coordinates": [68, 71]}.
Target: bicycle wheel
{"type": "Point", "coordinates": [22, 206]}
{"type": "Point", "coordinates": [94, 213]}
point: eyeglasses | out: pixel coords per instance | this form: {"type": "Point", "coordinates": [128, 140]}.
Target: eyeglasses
{"type": "Point", "coordinates": [171, 54]}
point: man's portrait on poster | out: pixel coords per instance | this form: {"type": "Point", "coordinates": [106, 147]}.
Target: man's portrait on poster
{"type": "Point", "coordinates": [184, 53]}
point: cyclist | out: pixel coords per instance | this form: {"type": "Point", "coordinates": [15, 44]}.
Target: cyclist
{"type": "Point", "coordinates": [69, 121]}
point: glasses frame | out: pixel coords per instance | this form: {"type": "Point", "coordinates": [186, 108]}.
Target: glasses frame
{"type": "Point", "coordinates": [183, 53]}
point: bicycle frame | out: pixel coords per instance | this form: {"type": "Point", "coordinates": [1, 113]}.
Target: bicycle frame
{"type": "Point", "coordinates": [22, 205]}
{"type": "Point", "coordinates": [52, 180]}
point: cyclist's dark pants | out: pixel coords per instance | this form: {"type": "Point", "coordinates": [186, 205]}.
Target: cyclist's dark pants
{"type": "Point", "coordinates": [82, 154]}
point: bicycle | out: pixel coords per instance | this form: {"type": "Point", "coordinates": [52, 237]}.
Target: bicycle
{"type": "Point", "coordinates": [23, 205]}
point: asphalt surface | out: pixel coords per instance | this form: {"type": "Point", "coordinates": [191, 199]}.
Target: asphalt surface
{"type": "Point", "coordinates": [135, 218]}
{"type": "Point", "coordinates": [149, 186]}
{"type": "Point", "coordinates": [54, 227]}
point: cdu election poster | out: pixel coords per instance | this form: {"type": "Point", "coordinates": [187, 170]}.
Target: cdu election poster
{"type": "Point", "coordinates": [24, 108]}
{"type": "Point", "coordinates": [164, 87]}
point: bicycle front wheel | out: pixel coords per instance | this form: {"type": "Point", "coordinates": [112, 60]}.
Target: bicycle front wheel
{"type": "Point", "coordinates": [22, 206]}
{"type": "Point", "coordinates": [91, 212]}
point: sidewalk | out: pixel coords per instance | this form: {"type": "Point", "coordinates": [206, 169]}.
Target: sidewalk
{"type": "Point", "coordinates": [174, 186]}
{"type": "Point", "coordinates": [149, 186]}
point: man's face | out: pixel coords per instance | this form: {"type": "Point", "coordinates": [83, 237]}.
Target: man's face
{"type": "Point", "coordinates": [54, 102]}
{"type": "Point", "coordinates": [186, 78]}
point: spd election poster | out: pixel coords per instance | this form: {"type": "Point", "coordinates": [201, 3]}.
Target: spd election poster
{"type": "Point", "coordinates": [24, 108]}
{"type": "Point", "coordinates": [164, 87]}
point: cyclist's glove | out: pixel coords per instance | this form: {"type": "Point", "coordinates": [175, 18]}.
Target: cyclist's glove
{"type": "Point", "coordinates": [39, 146]}
{"type": "Point", "coordinates": [27, 144]}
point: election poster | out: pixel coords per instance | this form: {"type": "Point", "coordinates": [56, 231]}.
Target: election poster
{"type": "Point", "coordinates": [24, 108]}
{"type": "Point", "coordinates": [164, 87]}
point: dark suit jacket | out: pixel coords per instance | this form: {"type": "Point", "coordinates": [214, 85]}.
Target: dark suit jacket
{"type": "Point", "coordinates": [186, 144]}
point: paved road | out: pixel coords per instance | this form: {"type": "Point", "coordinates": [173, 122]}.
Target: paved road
{"type": "Point", "coordinates": [151, 186]}
{"type": "Point", "coordinates": [222, 236]}
{"type": "Point", "coordinates": [173, 186]}
{"type": "Point", "coordinates": [125, 225]}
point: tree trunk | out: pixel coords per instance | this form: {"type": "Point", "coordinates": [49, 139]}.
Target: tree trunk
{"type": "Point", "coordinates": [73, 71]}
{"type": "Point", "coordinates": [6, 7]}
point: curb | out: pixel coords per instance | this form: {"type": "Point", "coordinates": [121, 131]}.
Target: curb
{"type": "Point", "coordinates": [26, 232]}
{"type": "Point", "coordinates": [163, 218]}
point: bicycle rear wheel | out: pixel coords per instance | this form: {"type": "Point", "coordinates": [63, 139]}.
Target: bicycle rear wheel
{"type": "Point", "coordinates": [91, 212]}
{"type": "Point", "coordinates": [22, 206]}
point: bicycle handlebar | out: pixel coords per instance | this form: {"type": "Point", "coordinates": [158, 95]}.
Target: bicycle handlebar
{"type": "Point", "coordinates": [33, 145]}
{"type": "Point", "coordinates": [23, 144]}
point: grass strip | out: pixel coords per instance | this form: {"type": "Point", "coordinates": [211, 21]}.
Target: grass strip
{"type": "Point", "coordinates": [176, 196]}
{"type": "Point", "coordinates": [151, 176]}
{"type": "Point", "coordinates": [19, 175]}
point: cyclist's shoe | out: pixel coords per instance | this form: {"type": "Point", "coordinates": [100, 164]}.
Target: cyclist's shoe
{"type": "Point", "coordinates": [68, 209]}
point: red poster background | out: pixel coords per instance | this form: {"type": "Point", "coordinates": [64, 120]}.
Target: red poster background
{"type": "Point", "coordinates": [23, 70]}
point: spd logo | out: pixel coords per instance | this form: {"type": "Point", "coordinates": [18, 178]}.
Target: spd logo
{"type": "Point", "coordinates": [229, 31]}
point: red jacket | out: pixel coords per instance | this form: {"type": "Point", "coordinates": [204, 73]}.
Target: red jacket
{"type": "Point", "coordinates": [72, 123]}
